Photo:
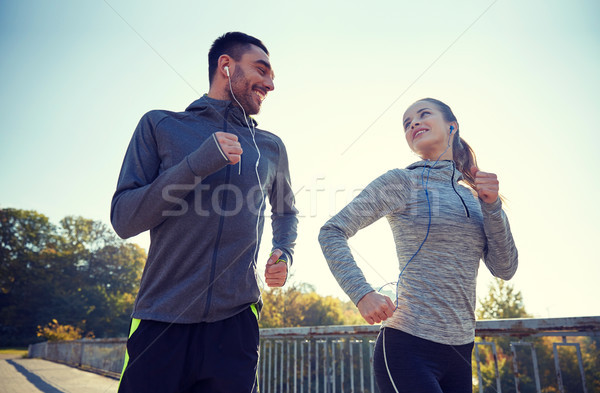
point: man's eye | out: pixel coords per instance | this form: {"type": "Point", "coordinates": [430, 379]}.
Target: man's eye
{"type": "Point", "coordinates": [261, 71]}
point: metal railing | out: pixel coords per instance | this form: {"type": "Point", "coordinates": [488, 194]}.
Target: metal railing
{"type": "Point", "coordinates": [317, 359]}
{"type": "Point", "coordinates": [327, 359]}
{"type": "Point", "coordinates": [330, 359]}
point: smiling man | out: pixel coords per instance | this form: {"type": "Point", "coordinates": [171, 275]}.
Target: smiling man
{"type": "Point", "coordinates": [199, 181]}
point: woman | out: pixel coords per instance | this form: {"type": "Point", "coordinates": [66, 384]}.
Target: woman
{"type": "Point", "coordinates": [441, 229]}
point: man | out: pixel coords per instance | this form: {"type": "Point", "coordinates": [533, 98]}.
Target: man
{"type": "Point", "coordinates": [199, 180]}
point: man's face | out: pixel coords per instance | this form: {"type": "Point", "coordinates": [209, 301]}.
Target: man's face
{"type": "Point", "coordinates": [252, 79]}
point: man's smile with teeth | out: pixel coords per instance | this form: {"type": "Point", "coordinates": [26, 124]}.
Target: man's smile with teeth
{"type": "Point", "coordinates": [260, 94]}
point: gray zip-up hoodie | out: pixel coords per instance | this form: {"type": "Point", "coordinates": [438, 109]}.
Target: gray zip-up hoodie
{"type": "Point", "coordinates": [436, 294]}
{"type": "Point", "coordinates": [201, 212]}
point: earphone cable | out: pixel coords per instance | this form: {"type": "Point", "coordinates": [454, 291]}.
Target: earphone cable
{"type": "Point", "coordinates": [253, 134]}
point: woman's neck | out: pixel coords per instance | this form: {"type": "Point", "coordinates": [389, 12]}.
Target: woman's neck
{"type": "Point", "coordinates": [437, 155]}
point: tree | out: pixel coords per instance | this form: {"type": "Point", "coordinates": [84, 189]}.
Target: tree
{"type": "Point", "coordinates": [300, 305]}
{"type": "Point", "coordinates": [27, 246]}
{"type": "Point", "coordinates": [501, 302]}
{"type": "Point", "coordinates": [78, 272]}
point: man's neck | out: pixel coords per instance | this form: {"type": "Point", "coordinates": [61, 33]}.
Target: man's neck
{"type": "Point", "coordinates": [218, 93]}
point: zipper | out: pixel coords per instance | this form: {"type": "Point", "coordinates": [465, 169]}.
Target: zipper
{"type": "Point", "coordinates": [213, 267]}
{"type": "Point", "coordinates": [461, 199]}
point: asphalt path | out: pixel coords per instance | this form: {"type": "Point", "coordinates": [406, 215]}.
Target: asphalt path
{"type": "Point", "coordinates": [19, 375]}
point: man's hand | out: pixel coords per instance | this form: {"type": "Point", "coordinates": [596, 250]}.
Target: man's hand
{"type": "Point", "coordinates": [230, 146]}
{"type": "Point", "coordinates": [375, 307]}
{"type": "Point", "coordinates": [487, 185]}
{"type": "Point", "coordinates": [276, 272]}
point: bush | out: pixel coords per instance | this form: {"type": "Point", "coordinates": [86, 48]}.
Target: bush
{"type": "Point", "coordinates": [57, 332]}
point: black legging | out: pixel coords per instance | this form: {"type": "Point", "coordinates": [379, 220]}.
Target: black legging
{"type": "Point", "coordinates": [417, 365]}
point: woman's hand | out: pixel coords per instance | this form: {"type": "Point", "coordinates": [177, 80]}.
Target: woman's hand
{"type": "Point", "coordinates": [375, 307]}
{"type": "Point", "coordinates": [487, 185]}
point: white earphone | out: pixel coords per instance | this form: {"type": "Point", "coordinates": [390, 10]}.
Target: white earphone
{"type": "Point", "coordinates": [253, 133]}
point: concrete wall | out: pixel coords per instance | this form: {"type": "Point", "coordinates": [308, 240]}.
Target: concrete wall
{"type": "Point", "coordinates": [98, 354]}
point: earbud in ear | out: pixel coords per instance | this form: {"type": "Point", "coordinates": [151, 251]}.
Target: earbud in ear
{"type": "Point", "coordinates": [226, 68]}
{"type": "Point", "coordinates": [451, 129]}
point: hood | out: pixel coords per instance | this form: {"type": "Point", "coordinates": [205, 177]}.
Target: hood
{"type": "Point", "coordinates": [442, 170]}
{"type": "Point", "coordinates": [442, 167]}
{"type": "Point", "coordinates": [216, 109]}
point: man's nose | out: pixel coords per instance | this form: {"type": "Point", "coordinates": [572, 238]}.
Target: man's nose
{"type": "Point", "coordinates": [269, 84]}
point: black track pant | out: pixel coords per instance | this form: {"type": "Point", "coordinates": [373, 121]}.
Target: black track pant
{"type": "Point", "coordinates": [186, 358]}
{"type": "Point", "coordinates": [417, 365]}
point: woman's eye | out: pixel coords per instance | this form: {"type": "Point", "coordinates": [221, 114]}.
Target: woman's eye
{"type": "Point", "coordinates": [424, 113]}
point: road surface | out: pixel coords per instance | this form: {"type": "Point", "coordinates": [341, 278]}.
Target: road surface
{"type": "Point", "coordinates": [19, 375]}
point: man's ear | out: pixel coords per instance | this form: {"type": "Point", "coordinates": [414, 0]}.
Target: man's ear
{"type": "Point", "coordinates": [225, 65]}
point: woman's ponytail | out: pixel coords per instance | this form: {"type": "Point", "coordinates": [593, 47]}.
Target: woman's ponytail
{"type": "Point", "coordinates": [464, 158]}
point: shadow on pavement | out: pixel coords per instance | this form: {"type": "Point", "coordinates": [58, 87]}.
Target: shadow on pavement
{"type": "Point", "coordinates": [35, 380]}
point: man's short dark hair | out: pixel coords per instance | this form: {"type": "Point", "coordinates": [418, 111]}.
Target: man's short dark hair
{"type": "Point", "coordinates": [234, 44]}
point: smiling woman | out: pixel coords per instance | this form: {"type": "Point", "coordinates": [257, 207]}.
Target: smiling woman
{"type": "Point", "coordinates": [431, 327]}
{"type": "Point", "coordinates": [433, 115]}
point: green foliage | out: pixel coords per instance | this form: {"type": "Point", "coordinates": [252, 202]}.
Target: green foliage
{"type": "Point", "coordinates": [547, 370]}
{"type": "Point", "coordinates": [591, 362]}
{"type": "Point", "coordinates": [300, 305]}
{"type": "Point", "coordinates": [488, 369]}
{"type": "Point", "coordinates": [502, 301]}
{"type": "Point", "coordinates": [78, 272]}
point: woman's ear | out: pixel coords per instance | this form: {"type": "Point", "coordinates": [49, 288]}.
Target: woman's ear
{"type": "Point", "coordinates": [453, 128]}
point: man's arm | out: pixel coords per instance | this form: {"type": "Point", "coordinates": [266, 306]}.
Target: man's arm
{"type": "Point", "coordinates": [144, 193]}
{"type": "Point", "coordinates": [284, 223]}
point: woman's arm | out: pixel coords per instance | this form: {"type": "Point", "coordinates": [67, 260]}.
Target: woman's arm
{"type": "Point", "coordinates": [500, 254]}
{"type": "Point", "coordinates": [383, 196]}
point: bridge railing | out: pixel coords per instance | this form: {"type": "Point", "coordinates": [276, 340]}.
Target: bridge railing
{"type": "Point", "coordinates": [104, 355]}
{"type": "Point", "coordinates": [339, 358]}
{"type": "Point", "coordinates": [326, 359]}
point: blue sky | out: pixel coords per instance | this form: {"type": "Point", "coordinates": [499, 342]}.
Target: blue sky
{"type": "Point", "coordinates": [520, 76]}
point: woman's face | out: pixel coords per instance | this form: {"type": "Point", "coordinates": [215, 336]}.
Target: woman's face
{"type": "Point", "coordinates": [426, 131]}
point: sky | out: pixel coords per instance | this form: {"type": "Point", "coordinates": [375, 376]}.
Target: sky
{"type": "Point", "coordinates": [521, 77]}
